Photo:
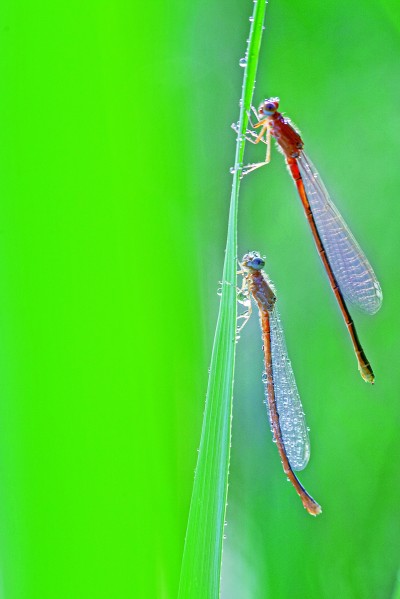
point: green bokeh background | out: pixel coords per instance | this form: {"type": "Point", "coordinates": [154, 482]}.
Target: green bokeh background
{"type": "Point", "coordinates": [114, 182]}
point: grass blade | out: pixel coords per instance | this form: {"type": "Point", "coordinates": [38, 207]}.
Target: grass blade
{"type": "Point", "coordinates": [201, 563]}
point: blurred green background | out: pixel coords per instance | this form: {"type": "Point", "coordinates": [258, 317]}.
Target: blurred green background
{"type": "Point", "coordinates": [115, 149]}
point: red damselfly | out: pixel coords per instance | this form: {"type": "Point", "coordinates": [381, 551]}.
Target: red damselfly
{"type": "Point", "coordinates": [350, 274]}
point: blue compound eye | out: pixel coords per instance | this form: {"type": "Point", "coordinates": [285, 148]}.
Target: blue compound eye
{"type": "Point", "coordinates": [269, 106]}
{"type": "Point", "coordinates": [257, 263]}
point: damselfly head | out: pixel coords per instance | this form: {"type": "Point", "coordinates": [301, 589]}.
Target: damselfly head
{"type": "Point", "coordinates": [253, 261]}
{"type": "Point", "coordinates": [268, 107]}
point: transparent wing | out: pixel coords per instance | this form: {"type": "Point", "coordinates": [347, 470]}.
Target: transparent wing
{"type": "Point", "coordinates": [291, 415]}
{"type": "Point", "coordinates": [350, 266]}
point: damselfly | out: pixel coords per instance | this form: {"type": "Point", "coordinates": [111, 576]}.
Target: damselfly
{"type": "Point", "coordinates": [350, 274]}
{"type": "Point", "coordinates": [282, 397]}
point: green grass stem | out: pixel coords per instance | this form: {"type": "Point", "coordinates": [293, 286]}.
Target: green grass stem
{"type": "Point", "coordinates": [201, 563]}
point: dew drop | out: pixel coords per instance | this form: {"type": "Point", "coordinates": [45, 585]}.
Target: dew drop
{"type": "Point", "coordinates": [243, 62]}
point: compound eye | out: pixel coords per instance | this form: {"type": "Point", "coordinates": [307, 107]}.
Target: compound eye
{"type": "Point", "coordinates": [269, 106]}
{"type": "Point", "coordinates": [258, 263]}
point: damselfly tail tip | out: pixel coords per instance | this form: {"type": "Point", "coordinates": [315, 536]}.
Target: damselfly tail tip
{"type": "Point", "coordinates": [312, 507]}
{"type": "Point", "coordinates": [309, 503]}
{"type": "Point", "coordinates": [367, 374]}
